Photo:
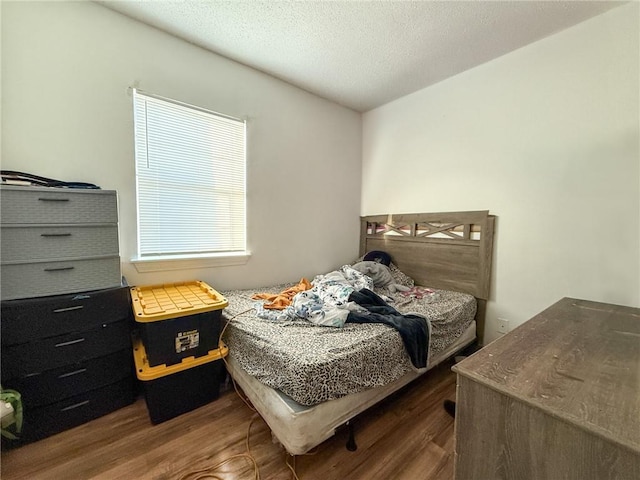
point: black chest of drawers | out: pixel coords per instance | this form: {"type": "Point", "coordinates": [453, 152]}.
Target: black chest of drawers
{"type": "Point", "coordinates": [69, 356]}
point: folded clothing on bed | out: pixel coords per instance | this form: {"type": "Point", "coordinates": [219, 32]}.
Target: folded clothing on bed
{"type": "Point", "coordinates": [281, 300]}
{"type": "Point", "coordinates": [325, 303]}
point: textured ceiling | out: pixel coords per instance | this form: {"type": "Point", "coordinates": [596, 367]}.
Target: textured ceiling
{"type": "Point", "coordinates": [361, 54]}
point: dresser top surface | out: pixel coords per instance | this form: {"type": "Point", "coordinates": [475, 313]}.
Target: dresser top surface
{"type": "Point", "coordinates": [577, 360]}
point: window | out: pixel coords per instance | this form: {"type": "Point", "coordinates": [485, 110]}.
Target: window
{"type": "Point", "coordinates": [190, 179]}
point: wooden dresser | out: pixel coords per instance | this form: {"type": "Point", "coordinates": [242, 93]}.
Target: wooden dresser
{"type": "Point", "coordinates": [556, 398]}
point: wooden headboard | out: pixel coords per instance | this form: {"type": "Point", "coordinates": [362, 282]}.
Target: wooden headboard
{"type": "Point", "coordinates": [449, 251]}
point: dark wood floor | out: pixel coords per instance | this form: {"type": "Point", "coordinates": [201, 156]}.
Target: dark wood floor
{"type": "Point", "coordinates": [407, 436]}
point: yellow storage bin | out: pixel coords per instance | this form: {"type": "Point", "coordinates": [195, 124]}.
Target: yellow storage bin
{"type": "Point", "coordinates": [177, 320]}
{"type": "Point", "coordinates": [173, 390]}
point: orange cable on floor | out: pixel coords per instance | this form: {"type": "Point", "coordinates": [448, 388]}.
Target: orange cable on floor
{"type": "Point", "coordinates": [208, 472]}
{"type": "Point", "coordinates": [256, 414]}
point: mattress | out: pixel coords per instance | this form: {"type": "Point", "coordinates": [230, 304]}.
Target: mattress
{"type": "Point", "coordinates": [299, 428]}
{"type": "Point", "coordinates": [312, 364]}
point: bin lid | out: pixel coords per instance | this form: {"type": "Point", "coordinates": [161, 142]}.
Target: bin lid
{"type": "Point", "coordinates": [170, 300]}
{"type": "Point", "coordinates": [146, 372]}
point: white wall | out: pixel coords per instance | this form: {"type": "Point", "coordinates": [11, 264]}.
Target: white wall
{"type": "Point", "coordinates": [66, 114]}
{"type": "Point", "coordinates": [547, 139]}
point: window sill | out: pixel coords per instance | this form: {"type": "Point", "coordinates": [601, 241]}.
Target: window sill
{"type": "Point", "coordinates": [160, 264]}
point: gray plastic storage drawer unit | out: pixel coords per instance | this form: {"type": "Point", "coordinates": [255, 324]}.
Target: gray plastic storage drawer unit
{"type": "Point", "coordinates": [57, 241]}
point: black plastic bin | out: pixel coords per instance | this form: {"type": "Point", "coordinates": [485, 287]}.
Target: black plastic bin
{"type": "Point", "coordinates": [178, 320]}
{"type": "Point", "coordinates": [173, 390]}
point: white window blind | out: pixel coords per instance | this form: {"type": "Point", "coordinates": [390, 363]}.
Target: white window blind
{"type": "Point", "coordinates": [190, 176]}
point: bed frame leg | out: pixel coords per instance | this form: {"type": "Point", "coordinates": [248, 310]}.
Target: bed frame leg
{"type": "Point", "coordinates": [351, 441]}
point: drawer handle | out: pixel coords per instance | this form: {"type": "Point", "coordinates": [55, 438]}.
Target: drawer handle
{"type": "Point", "coordinates": [71, 374]}
{"type": "Point", "coordinates": [64, 344]}
{"type": "Point", "coordinates": [58, 269]}
{"type": "Point", "coordinates": [44, 199]}
{"type": "Point", "coordinates": [68, 309]}
{"type": "Point", "coordinates": [55, 234]}
{"type": "Point", "coordinates": [71, 407]}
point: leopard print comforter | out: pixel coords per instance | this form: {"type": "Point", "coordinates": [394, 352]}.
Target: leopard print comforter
{"type": "Point", "coordinates": [312, 364]}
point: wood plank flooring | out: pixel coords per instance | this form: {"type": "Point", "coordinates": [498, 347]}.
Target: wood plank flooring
{"type": "Point", "coordinates": [407, 436]}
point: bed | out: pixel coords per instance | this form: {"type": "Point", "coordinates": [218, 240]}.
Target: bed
{"type": "Point", "coordinates": [306, 380]}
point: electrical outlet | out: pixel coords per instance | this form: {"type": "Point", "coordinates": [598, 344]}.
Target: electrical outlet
{"type": "Point", "coordinates": [503, 325]}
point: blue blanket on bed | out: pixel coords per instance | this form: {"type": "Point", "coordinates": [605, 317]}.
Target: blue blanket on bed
{"type": "Point", "coordinates": [412, 328]}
